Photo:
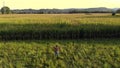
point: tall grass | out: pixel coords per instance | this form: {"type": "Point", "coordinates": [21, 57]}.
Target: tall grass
{"type": "Point", "coordinates": [57, 31]}
{"type": "Point", "coordinates": [73, 54]}
{"type": "Point", "coordinates": [55, 26]}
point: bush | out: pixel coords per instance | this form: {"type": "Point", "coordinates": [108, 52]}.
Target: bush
{"type": "Point", "coordinates": [5, 10]}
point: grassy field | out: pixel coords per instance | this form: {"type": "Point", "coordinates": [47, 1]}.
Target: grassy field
{"type": "Point", "coordinates": [98, 53]}
{"type": "Point", "coordinates": [85, 40]}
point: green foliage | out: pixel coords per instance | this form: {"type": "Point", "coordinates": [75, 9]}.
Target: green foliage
{"type": "Point", "coordinates": [57, 31]}
{"type": "Point", "coordinates": [5, 10]}
{"type": "Point", "coordinates": [100, 53]}
{"type": "Point", "coordinates": [74, 26]}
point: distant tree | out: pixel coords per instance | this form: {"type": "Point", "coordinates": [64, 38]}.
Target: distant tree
{"type": "Point", "coordinates": [113, 14]}
{"type": "Point", "coordinates": [5, 10]}
{"type": "Point", "coordinates": [115, 11]}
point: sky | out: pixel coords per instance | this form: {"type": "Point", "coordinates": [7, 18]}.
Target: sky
{"type": "Point", "coordinates": [60, 4]}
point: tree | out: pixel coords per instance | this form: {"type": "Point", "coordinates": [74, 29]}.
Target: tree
{"type": "Point", "coordinates": [113, 14]}
{"type": "Point", "coordinates": [5, 10]}
{"type": "Point", "coordinates": [115, 11]}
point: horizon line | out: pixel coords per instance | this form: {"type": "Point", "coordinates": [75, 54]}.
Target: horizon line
{"type": "Point", "coordinates": [57, 8]}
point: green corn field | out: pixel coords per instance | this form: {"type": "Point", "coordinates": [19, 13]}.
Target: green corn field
{"type": "Point", "coordinates": [100, 53]}
{"type": "Point", "coordinates": [85, 41]}
{"type": "Point", "coordinates": [58, 26]}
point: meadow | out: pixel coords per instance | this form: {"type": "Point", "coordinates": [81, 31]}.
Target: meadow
{"type": "Point", "coordinates": [85, 40]}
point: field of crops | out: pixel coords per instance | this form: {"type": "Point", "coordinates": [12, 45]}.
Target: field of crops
{"type": "Point", "coordinates": [98, 53]}
{"type": "Point", "coordinates": [60, 18]}
{"type": "Point", "coordinates": [85, 40]}
{"type": "Point", "coordinates": [59, 26]}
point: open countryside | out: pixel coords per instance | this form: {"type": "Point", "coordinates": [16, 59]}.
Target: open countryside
{"type": "Point", "coordinates": [85, 40]}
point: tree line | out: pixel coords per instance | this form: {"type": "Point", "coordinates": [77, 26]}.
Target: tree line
{"type": "Point", "coordinates": [7, 10]}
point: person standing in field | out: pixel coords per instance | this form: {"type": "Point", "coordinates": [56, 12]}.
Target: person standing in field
{"type": "Point", "coordinates": [56, 51]}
